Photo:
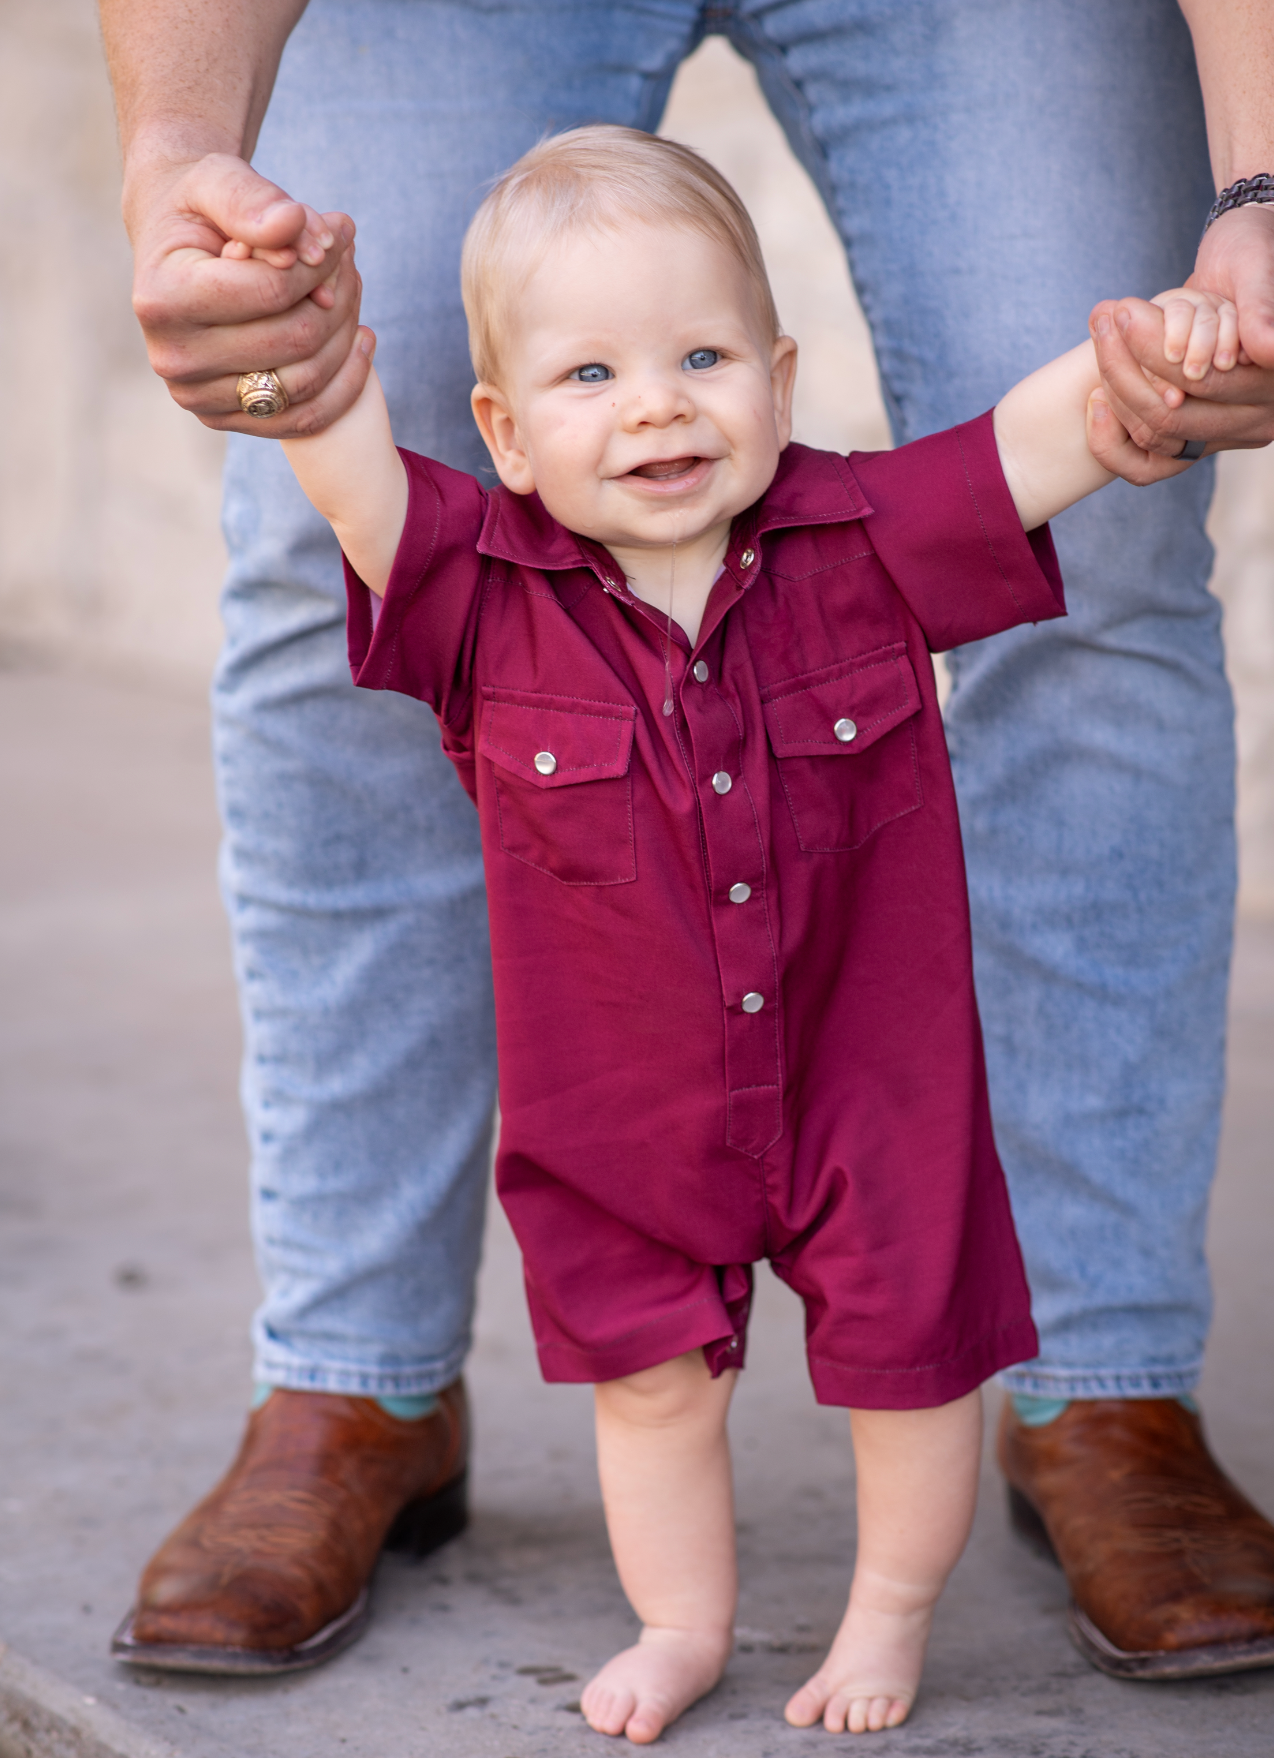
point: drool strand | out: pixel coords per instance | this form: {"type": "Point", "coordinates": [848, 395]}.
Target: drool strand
{"type": "Point", "coordinates": [672, 581]}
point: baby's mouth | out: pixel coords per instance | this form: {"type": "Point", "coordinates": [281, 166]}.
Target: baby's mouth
{"type": "Point", "coordinates": [665, 469]}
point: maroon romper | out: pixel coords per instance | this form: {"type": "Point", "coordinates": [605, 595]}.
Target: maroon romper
{"type": "Point", "coordinates": [733, 976]}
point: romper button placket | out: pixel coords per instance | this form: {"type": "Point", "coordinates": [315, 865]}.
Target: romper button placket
{"type": "Point", "coordinates": [545, 762]}
{"type": "Point", "coordinates": [721, 782]}
{"type": "Point", "coordinates": [740, 893]}
{"type": "Point", "coordinates": [752, 1002]}
{"type": "Point", "coordinates": [700, 671]}
{"type": "Point", "coordinates": [845, 730]}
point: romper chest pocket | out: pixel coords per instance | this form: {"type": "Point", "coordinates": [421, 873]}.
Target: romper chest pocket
{"type": "Point", "coordinates": [845, 741]}
{"type": "Point", "coordinates": [563, 792]}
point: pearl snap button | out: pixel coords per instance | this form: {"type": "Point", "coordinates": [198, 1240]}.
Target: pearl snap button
{"type": "Point", "coordinates": [752, 1002]}
{"type": "Point", "coordinates": [545, 762]}
{"type": "Point", "coordinates": [740, 893]}
{"type": "Point", "coordinates": [701, 671]}
{"type": "Point", "coordinates": [721, 782]}
{"type": "Point", "coordinates": [747, 558]}
{"type": "Point", "coordinates": [845, 730]}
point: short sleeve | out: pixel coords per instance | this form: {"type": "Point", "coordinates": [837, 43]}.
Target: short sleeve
{"type": "Point", "coordinates": [945, 527]}
{"type": "Point", "coordinates": [421, 643]}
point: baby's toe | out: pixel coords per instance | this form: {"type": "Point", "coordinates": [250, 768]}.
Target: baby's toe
{"type": "Point", "coordinates": [869, 1715]}
{"type": "Point", "coordinates": [606, 1710]}
{"type": "Point", "coordinates": [878, 1711]}
{"type": "Point", "coordinates": [645, 1724]}
{"type": "Point", "coordinates": [806, 1706]}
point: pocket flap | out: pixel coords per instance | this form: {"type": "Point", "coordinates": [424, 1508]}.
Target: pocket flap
{"type": "Point", "coordinates": [841, 709]}
{"type": "Point", "coordinates": [556, 741]}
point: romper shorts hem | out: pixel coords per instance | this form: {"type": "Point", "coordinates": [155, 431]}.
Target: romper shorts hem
{"type": "Point", "coordinates": [704, 1324]}
{"type": "Point", "coordinates": [699, 1326]}
{"type": "Point", "coordinates": [923, 1388]}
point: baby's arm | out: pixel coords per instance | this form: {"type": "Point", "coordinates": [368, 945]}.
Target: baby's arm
{"type": "Point", "coordinates": [352, 474]}
{"type": "Point", "coordinates": [1057, 437]}
{"type": "Point", "coordinates": [1041, 429]}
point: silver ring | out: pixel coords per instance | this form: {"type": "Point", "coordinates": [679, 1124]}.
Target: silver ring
{"type": "Point", "coordinates": [261, 394]}
{"type": "Point", "coordinates": [1191, 450]}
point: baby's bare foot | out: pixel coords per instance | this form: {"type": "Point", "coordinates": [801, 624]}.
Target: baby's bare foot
{"type": "Point", "coordinates": [871, 1673]}
{"type": "Point", "coordinates": [643, 1689]}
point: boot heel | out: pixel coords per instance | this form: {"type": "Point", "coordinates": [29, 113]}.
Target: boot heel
{"type": "Point", "coordinates": [1028, 1526]}
{"type": "Point", "coordinates": [429, 1523]}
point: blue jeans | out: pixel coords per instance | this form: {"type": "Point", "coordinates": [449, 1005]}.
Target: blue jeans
{"type": "Point", "coordinates": [985, 164]}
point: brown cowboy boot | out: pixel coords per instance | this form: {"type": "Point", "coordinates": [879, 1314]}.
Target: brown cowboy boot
{"type": "Point", "coordinates": [270, 1572]}
{"type": "Point", "coordinates": [1170, 1567]}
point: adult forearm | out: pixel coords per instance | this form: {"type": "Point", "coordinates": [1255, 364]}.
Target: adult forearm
{"type": "Point", "coordinates": [191, 77]}
{"type": "Point", "coordinates": [1234, 48]}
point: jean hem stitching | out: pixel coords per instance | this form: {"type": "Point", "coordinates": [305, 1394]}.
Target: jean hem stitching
{"type": "Point", "coordinates": [420, 1383]}
{"type": "Point", "coordinates": [1089, 1383]}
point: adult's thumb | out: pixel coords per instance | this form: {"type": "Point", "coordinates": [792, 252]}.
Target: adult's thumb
{"type": "Point", "coordinates": [1256, 327]}
{"type": "Point", "coordinates": [242, 204]}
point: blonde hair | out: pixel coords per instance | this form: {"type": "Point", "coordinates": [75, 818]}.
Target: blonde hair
{"type": "Point", "coordinates": [593, 178]}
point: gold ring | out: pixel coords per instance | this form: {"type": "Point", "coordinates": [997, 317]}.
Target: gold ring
{"type": "Point", "coordinates": [261, 394]}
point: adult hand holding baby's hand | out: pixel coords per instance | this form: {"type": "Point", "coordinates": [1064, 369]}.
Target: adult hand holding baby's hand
{"type": "Point", "coordinates": [1161, 392]}
{"type": "Point", "coordinates": [234, 276]}
{"type": "Point", "coordinates": [1140, 418]}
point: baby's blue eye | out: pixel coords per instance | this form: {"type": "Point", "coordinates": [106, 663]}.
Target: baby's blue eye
{"type": "Point", "coordinates": [701, 358]}
{"type": "Point", "coordinates": [592, 375]}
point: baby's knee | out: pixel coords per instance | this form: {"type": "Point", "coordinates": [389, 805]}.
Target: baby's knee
{"type": "Point", "coordinates": [668, 1393]}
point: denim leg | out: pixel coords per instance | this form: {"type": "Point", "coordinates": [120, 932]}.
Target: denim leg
{"type": "Point", "coordinates": [351, 864]}
{"type": "Point", "coordinates": [986, 162]}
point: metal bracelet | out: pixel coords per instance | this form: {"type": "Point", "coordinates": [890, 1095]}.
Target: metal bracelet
{"type": "Point", "coordinates": [1242, 194]}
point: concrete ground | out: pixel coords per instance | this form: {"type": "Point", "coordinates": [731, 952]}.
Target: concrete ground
{"type": "Point", "coordinates": [126, 1285]}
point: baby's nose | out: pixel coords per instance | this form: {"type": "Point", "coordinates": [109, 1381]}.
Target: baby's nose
{"type": "Point", "coordinates": [657, 402]}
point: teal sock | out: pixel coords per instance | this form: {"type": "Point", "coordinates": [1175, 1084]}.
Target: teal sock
{"type": "Point", "coordinates": [1033, 1412]}
{"type": "Point", "coordinates": [410, 1409]}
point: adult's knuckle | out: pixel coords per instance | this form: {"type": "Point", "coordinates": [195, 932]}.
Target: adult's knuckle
{"type": "Point", "coordinates": [171, 363]}
{"type": "Point", "coordinates": [1147, 437]}
{"type": "Point", "coordinates": [187, 397]}
{"type": "Point", "coordinates": [308, 378]}
{"type": "Point", "coordinates": [155, 306]}
{"type": "Point", "coordinates": [309, 418]}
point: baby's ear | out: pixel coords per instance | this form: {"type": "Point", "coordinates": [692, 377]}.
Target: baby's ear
{"type": "Point", "coordinates": [783, 385]}
{"type": "Point", "coordinates": [499, 430]}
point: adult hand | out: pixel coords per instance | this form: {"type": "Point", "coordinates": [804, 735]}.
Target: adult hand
{"type": "Point", "coordinates": [283, 296]}
{"type": "Point", "coordinates": [1158, 404]}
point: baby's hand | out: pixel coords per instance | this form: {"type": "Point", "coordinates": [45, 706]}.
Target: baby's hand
{"type": "Point", "coordinates": [316, 237]}
{"type": "Point", "coordinates": [1200, 330]}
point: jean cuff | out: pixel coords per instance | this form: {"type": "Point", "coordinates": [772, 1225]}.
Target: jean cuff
{"type": "Point", "coordinates": [1158, 1382]}
{"type": "Point", "coordinates": [417, 1382]}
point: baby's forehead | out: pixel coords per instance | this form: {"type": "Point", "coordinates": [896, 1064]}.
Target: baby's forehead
{"type": "Point", "coordinates": [616, 238]}
{"type": "Point", "coordinates": [686, 271]}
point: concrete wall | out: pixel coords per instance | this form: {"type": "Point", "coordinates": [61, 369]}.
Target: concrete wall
{"type": "Point", "coordinates": [109, 547]}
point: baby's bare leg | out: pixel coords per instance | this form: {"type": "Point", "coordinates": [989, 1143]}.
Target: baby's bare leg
{"type": "Point", "coordinates": [917, 1485]}
{"type": "Point", "coordinates": [665, 1468]}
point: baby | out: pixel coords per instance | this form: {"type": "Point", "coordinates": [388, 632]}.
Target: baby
{"type": "Point", "coordinates": [682, 667]}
